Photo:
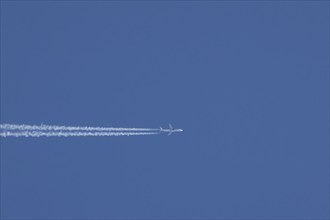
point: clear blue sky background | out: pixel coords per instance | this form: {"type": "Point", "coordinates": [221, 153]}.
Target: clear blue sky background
{"type": "Point", "coordinates": [247, 81]}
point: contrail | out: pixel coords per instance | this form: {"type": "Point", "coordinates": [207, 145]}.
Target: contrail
{"type": "Point", "coordinates": [69, 134]}
{"type": "Point", "coordinates": [23, 130]}
{"type": "Point", "coordinates": [25, 127]}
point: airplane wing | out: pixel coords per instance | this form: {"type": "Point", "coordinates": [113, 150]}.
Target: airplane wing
{"type": "Point", "coordinates": [170, 126]}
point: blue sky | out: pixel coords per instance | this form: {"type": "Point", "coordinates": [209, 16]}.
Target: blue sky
{"type": "Point", "coordinates": [247, 81]}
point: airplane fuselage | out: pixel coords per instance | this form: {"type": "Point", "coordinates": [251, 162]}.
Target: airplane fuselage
{"type": "Point", "coordinates": [169, 130]}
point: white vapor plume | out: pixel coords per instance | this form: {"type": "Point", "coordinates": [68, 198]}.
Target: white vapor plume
{"type": "Point", "coordinates": [67, 128]}
{"type": "Point", "coordinates": [23, 130]}
{"type": "Point", "coordinates": [69, 134]}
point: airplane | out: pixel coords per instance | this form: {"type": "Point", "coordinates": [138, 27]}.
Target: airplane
{"type": "Point", "coordinates": [170, 130]}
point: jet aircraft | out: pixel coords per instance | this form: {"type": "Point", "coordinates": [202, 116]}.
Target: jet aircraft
{"type": "Point", "coordinates": [169, 130]}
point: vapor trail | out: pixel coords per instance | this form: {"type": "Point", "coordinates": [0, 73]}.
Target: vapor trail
{"type": "Point", "coordinates": [69, 134]}
{"type": "Point", "coordinates": [24, 127]}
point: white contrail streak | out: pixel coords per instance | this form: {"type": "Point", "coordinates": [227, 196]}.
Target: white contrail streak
{"type": "Point", "coordinates": [69, 134]}
{"type": "Point", "coordinates": [67, 128]}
